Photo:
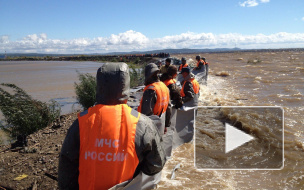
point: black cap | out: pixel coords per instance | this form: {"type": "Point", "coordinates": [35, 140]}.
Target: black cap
{"type": "Point", "coordinates": [168, 60]}
{"type": "Point", "coordinates": [184, 59]}
{"type": "Point", "coordinates": [186, 69]}
{"type": "Point", "coordinates": [198, 57]}
{"type": "Point", "coordinates": [203, 58]}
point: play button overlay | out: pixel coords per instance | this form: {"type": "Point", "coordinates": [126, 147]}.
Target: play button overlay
{"type": "Point", "coordinates": [239, 138]}
{"type": "Point", "coordinates": [235, 138]}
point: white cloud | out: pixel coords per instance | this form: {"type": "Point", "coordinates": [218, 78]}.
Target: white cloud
{"type": "Point", "coordinates": [303, 18]}
{"type": "Point", "coordinates": [252, 3]}
{"type": "Point", "coordinates": [249, 3]}
{"type": "Point", "coordinates": [136, 41]}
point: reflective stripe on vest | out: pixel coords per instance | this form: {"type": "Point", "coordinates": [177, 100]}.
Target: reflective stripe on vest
{"type": "Point", "coordinates": [162, 100]}
{"type": "Point", "coordinates": [195, 85]}
{"type": "Point", "coordinates": [169, 81]}
{"type": "Point", "coordinates": [182, 66]}
{"type": "Point", "coordinates": [197, 64]}
{"type": "Point", "coordinates": [107, 146]}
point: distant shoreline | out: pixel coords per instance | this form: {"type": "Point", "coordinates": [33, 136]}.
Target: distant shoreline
{"type": "Point", "coordinates": [129, 56]}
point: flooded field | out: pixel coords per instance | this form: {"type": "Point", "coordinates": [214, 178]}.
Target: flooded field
{"type": "Point", "coordinates": [254, 79]}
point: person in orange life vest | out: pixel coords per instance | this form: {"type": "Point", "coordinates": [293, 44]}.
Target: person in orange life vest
{"type": "Point", "coordinates": [164, 68]}
{"type": "Point", "coordinates": [109, 143]}
{"type": "Point", "coordinates": [190, 88]}
{"type": "Point", "coordinates": [169, 80]}
{"type": "Point", "coordinates": [200, 65]}
{"type": "Point", "coordinates": [207, 66]}
{"type": "Point", "coordinates": [184, 64]}
{"type": "Point", "coordinates": [156, 98]}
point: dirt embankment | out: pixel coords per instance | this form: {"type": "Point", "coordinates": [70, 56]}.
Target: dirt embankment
{"type": "Point", "coordinates": [38, 162]}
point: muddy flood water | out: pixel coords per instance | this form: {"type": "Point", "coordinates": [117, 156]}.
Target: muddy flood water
{"type": "Point", "coordinates": [254, 79]}
{"type": "Point", "coordinates": [46, 80]}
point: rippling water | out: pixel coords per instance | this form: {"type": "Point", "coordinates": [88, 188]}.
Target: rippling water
{"type": "Point", "coordinates": [274, 79]}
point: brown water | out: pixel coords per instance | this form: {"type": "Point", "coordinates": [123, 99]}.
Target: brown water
{"type": "Point", "coordinates": [276, 80]}
{"type": "Point", "coordinates": [46, 80]}
{"type": "Point", "coordinates": [265, 151]}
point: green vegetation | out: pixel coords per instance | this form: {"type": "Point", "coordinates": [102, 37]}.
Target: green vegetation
{"type": "Point", "coordinates": [136, 75]}
{"type": "Point", "coordinates": [23, 114]}
{"type": "Point", "coordinates": [86, 90]}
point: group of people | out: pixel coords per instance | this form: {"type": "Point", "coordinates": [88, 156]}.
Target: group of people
{"type": "Point", "coordinates": [202, 67]}
{"type": "Point", "coordinates": [111, 145]}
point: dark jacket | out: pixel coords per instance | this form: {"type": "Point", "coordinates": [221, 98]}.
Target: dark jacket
{"type": "Point", "coordinates": [201, 66]}
{"type": "Point", "coordinates": [112, 88]}
{"type": "Point", "coordinates": [149, 101]}
{"type": "Point", "coordinates": [175, 96]}
{"type": "Point", "coordinates": [190, 99]}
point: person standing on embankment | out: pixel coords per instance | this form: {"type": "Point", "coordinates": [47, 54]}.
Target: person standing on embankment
{"type": "Point", "coordinates": [200, 70]}
{"type": "Point", "coordinates": [207, 67]}
{"type": "Point", "coordinates": [190, 88]}
{"type": "Point", "coordinates": [169, 80]}
{"type": "Point", "coordinates": [109, 143]}
{"type": "Point", "coordinates": [184, 64]}
{"type": "Point", "coordinates": [164, 68]}
{"type": "Point", "coordinates": [156, 98]}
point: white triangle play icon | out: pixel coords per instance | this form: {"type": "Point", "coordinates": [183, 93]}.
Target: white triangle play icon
{"type": "Point", "coordinates": [235, 138]}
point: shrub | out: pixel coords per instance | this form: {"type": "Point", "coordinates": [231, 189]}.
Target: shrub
{"type": "Point", "coordinates": [137, 60]}
{"type": "Point", "coordinates": [86, 90]}
{"type": "Point", "coordinates": [136, 75]}
{"type": "Point", "coordinates": [23, 114]}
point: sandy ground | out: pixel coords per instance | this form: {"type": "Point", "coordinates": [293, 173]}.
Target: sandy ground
{"type": "Point", "coordinates": [37, 161]}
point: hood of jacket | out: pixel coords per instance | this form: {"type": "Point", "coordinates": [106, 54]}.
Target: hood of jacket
{"type": "Point", "coordinates": [151, 71]}
{"type": "Point", "coordinates": [113, 84]}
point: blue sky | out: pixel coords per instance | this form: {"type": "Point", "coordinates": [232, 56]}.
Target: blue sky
{"type": "Point", "coordinates": [124, 25]}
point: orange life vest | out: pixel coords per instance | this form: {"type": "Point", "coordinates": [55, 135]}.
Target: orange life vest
{"type": "Point", "coordinates": [107, 146]}
{"type": "Point", "coordinates": [162, 100]}
{"type": "Point", "coordinates": [195, 85]}
{"type": "Point", "coordinates": [182, 66]}
{"type": "Point", "coordinates": [169, 81]}
{"type": "Point", "coordinates": [197, 64]}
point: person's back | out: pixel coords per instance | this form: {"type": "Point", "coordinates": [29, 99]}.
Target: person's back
{"type": "Point", "coordinates": [169, 80]}
{"type": "Point", "coordinates": [108, 143]}
{"type": "Point", "coordinates": [156, 98]}
{"type": "Point", "coordinates": [190, 88]}
{"type": "Point", "coordinates": [200, 64]}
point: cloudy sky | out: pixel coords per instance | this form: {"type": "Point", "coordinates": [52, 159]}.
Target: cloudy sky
{"type": "Point", "coordinates": [69, 26]}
